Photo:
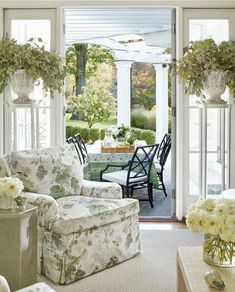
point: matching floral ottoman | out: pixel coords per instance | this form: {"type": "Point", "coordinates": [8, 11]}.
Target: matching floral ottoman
{"type": "Point", "coordinates": [88, 235]}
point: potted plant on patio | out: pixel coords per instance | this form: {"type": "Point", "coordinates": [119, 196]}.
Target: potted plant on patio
{"type": "Point", "coordinates": [23, 64]}
{"type": "Point", "coordinates": [207, 68]}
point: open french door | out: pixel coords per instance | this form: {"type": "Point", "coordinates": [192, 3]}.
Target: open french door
{"type": "Point", "coordinates": [207, 174]}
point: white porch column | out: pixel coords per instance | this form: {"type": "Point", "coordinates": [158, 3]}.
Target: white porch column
{"type": "Point", "coordinates": [161, 101]}
{"type": "Point", "coordinates": [123, 92]}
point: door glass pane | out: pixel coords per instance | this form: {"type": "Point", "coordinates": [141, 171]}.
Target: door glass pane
{"type": "Point", "coordinates": [199, 29]}
{"type": "Point", "coordinates": [193, 175]}
{"type": "Point", "coordinates": [33, 122]}
{"type": "Point", "coordinates": [214, 173]}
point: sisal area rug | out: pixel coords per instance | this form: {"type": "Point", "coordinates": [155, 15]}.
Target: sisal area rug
{"type": "Point", "coordinates": [154, 270]}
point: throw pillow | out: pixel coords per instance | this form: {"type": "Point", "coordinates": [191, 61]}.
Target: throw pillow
{"type": "Point", "coordinates": [54, 171]}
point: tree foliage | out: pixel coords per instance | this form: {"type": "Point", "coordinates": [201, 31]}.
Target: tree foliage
{"type": "Point", "coordinates": [92, 56]}
{"type": "Point", "coordinates": [95, 103]}
{"type": "Point", "coordinates": [143, 85]}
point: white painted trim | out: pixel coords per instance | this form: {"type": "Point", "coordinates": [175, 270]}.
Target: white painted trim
{"type": "Point", "coordinates": [124, 92]}
{"type": "Point", "coordinates": [161, 101]}
{"type": "Point", "coordinates": [61, 50]}
{"type": "Point", "coordinates": [119, 3]}
{"type": "Point", "coordinates": [179, 122]}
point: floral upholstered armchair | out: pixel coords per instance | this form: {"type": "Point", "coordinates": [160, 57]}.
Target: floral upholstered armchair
{"type": "Point", "coordinates": [84, 226]}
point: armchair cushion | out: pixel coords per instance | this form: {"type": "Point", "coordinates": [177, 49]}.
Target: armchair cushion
{"type": "Point", "coordinates": [55, 171]}
{"type": "Point", "coordinates": [77, 213]}
{"type": "Point", "coordinates": [101, 189]}
{"type": "Point", "coordinates": [3, 167]}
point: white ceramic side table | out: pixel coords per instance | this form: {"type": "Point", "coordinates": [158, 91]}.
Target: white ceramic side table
{"type": "Point", "coordinates": [18, 246]}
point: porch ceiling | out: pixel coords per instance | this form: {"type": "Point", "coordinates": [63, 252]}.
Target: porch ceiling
{"type": "Point", "coordinates": [128, 32]}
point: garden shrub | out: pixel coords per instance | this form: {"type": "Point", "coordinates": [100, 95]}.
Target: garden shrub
{"type": "Point", "coordinates": [85, 134]}
{"type": "Point", "coordinates": [76, 130]}
{"type": "Point", "coordinates": [139, 118]}
{"type": "Point", "coordinates": [148, 136]}
{"type": "Point", "coordinates": [137, 132]}
{"type": "Point", "coordinates": [69, 131]}
{"type": "Point", "coordinates": [94, 134]}
{"type": "Point", "coordinates": [151, 120]}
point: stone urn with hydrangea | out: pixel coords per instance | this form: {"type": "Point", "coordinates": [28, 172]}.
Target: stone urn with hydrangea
{"type": "Point", "coordinates": [10, 188]}
{"type": "Point", "coordinates": [207, 68]}
{"type": "Point", "coordinates": [216, 219]}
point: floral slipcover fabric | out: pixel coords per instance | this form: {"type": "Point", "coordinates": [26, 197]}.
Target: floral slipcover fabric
{"type": "Point", "coordinates": [67, 258]}
{"type": "Point", "coordinates": [101, 189]}
{"type": "Point", "coordinates": [78, 213]}
{"type": "Point", "coordinates": [3, 167]}
{"type": "Point", "coordinates": [47, 209]}
{"type": "Point", "coordinates": [55, 171]}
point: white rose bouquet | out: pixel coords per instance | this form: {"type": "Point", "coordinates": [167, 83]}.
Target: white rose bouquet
{"type": "Point", "coordinates": [10, 188]}
{"type": "Point", "coordinates": [215, 218]}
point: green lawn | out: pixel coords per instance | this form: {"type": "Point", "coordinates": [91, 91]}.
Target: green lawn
{"type": "Point", "coordinates": [81, 124]}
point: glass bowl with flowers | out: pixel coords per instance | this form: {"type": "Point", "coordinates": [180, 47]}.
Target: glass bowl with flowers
{"type": "Point", "coordinates": [216, 219]}
{"type": "Point", "coordinates": [123, 134]}
{"type": "Point", "coordinates": [10, 187]}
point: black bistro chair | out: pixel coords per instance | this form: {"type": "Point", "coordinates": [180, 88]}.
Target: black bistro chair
{"type": "Point", "coordinates": [135, 174]}
{"type": "Point", "coordinates": [162, 155]}
{"type": "Point", "coordinates": [82, 147]}
{"type": "Point", "coordinates": [70, 140]}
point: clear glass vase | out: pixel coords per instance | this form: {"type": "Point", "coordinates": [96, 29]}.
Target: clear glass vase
{"type": "Point", "coordinates": [108, 139]}
{"type": "Point", "coordinates": [6, 202]}
{"type": "Point", "coordinates": [217, 252]}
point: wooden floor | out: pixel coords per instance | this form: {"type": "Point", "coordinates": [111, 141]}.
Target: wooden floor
{"type": "Point", "coordinates": [162, 225]}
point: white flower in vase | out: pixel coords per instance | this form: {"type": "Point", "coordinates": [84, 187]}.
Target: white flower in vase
{"type": "Point", "coordinates": [10, 188]}
{"type": "Point", "coordinates": [216, 219]}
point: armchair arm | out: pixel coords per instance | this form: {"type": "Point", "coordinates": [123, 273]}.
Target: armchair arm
{"type": "Point", "coordinates": [47, 206]}
{"type": "Point", "coordinates": [98, 189]}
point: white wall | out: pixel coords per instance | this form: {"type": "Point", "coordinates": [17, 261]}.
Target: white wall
{"type": "Point", "coordinates": [179, 5]}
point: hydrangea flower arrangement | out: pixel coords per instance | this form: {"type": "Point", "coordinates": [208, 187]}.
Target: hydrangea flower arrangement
{"type": "Point", "coordinates": [215, 218]}
{"type": "Point", "coordinates": [123, 132]}
{"type": "Point", "coordinates": [120, 131]}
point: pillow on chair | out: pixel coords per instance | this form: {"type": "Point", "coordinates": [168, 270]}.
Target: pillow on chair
{"type": "Point", "coordinates": [54, 171]}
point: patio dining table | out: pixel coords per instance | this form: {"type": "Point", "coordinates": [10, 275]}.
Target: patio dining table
{"type": "Point", "coordinates": [97, 161]}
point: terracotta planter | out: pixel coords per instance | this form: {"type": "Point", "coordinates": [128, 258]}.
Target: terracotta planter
{"type": "Point", "coordinates": [214, 86]}
{"type": "Point", "coordinates": [22, 85]}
